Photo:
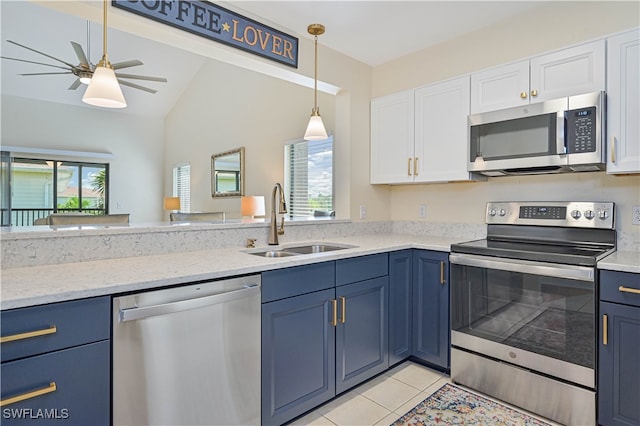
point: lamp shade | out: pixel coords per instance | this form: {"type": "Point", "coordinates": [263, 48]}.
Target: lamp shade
{"type": "Point", "coordinates": [104, 90]}
{"type": "Point", "coordinates": [172, 203]}
{"type": "Point", "coordinates": [315, 129]}
{"type": "Point", "coordinates": [252, 205]}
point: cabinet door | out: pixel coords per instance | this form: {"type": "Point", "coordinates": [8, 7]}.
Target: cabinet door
{"type": "Point", "coordinates": [298, 363]}
{"type": "Point", "coordinates": [431, 307]}
{"type": "Point", "coordinates": [623, 103]}
{"type": "Point", "coordinates": [501, 87]}
{"type": "Point", "coordinates": [400, 279]}
{"type": "Point", "coordinates": [441, 112]}
{"type": "Point", "coordinates": [567, 72]}
{"type": "Point", "coordinates": [361, 334]}
{"type": "Point", "coordinates": [619, 365]}
{"type": "Point", "coordinates": [392, 138]}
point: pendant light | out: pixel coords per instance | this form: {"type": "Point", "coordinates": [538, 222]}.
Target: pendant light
{"type": "Point", "coordinates": [104, 89]}
{"type": "Point", "coordinates": [315, 128]}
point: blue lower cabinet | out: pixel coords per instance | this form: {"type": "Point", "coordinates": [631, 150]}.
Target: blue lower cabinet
{"type": "Point", "coordinates": [400, 285]}
{"type": "Point", "coordinates": [298, 355]}
{"type": "Point", "coordinates": [362, 332]}
{"type": "Point", "coordinates": [430, 295]}
{"type": "Point", "coordinates": [66, 387]}
{"type": "Point", "coordinates": [619, 349]}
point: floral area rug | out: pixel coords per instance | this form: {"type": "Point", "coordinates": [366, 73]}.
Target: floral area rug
{"type": "Point", "coordinates": [451, 405]}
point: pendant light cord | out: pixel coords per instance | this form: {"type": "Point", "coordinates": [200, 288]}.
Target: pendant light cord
{"type": "Point", "coordinates": [315, 78]}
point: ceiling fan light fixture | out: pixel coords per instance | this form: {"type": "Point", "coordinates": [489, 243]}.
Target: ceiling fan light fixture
{"type": "Point", "coordinates": [104, 89]}
{"type": "Point", "coordinates": [315, 129]}
{"type": "Point", "coordinates": [85, 77]}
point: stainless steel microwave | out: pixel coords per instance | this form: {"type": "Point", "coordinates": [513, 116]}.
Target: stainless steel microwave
{"type": "Point", "coordinates": [562, 135]}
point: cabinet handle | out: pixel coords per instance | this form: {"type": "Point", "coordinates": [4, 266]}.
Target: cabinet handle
{"type": "Point", "coordinates": [415, 166]}
{"type": "Point", "coordinates": [613, 149]}
{"type": "Point", "coordinates": [442, 273]}
{"type": "Point", "coordinates": [523, 95]}
{"type": "Point", "coordinates": [29, 334]}
{"type": "Point", "coordinates": [629, 290]}
{"type": "Point", "coordinates": [334, 319]}
{"type": "Point", "coordinates": [343, 300]}
{"type": "Point", "coordinates": [534, 93]}
{"type": "Point", "coordinates": [605, 333]}
{"type": "Point", "coordinates": [28, 395]}
{"type": "Point", "coordinates": [409, 166]}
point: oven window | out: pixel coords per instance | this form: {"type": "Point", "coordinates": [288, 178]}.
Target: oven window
{"type": "Point", "coordinates": [549, 316]}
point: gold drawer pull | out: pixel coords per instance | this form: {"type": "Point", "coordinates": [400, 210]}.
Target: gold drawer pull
{"type": "Point", "coordinates": [334, 305]}
{"type": "Point", "coordinates": [29, 334]}
{"type": "Point", "coordinates": [629, 290]}
{"type": "Point", "coordinates": [415, 166]}
{"type": "Point", "coordinates": [344, 309]}
{"type": "Point", "coordinates": [605, 330]}
{"type": "Point", "coordinates": [409, 166]}
{"type": "Point", "coordinates": [442, 273]}
{"type": "Point", "coordinates": [523, 95]}
{"type": "Point", "coordinates": [613, 149]}
{"type": "Point", "coordinates": [28, 395]}
{"type": "Point", "coordinates": [534, 92]}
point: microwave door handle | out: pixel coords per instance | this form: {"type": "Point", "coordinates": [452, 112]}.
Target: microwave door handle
{"type": "Point", "coordinates": [561, 133]}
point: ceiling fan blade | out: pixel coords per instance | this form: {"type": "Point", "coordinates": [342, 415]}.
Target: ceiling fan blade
{"type": "Point", "coordinates": [46, 73]}
{"type": "Point", "coordinates": [137, 86]}
{"type": "Point", "coordinates": [41, 53]}
{"type": "Point", "coordinates": [142, 77]}
{"type": "Point", "coordinates": [32, 62]}
{"type": "Point", "coordinates": [75, 84]}
{"type": "Point", "coordinates": [127, 64]}
{"type": "Point", "coordinates": [80, 53]}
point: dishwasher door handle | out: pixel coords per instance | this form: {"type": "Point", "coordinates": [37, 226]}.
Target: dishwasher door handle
{"type": "Point", "coordinates": [132, 314]}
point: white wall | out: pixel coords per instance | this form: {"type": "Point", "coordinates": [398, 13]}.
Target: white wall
{"type": "Point", "coordinates": [226, 107]}
{"type": "Point", "coordinates": [550, 26]}
{"type": "Point", "coordinates": [135, 142]}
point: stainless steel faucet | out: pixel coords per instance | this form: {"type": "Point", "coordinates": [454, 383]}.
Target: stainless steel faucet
{"type": "Point", "coordinates": [274, 231]}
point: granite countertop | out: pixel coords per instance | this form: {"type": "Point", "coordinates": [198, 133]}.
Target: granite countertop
{"type": "Point", "coordinates": [37, 285]}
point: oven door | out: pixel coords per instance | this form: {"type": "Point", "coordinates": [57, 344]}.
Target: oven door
{"type": "Point", "coordinates": [539, 316]}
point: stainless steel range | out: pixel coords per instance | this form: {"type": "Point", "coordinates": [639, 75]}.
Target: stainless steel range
{"type": "Point", "coordinates": [523, 306]}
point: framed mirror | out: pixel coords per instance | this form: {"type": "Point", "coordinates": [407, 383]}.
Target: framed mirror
{"type": "Point", "coordinates": [227, 173]}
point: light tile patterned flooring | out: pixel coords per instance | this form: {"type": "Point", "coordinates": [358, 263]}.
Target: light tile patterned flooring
{"type": "Point", "coordinates": [380, 401]}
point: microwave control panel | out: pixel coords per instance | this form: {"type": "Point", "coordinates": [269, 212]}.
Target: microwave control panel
{"type": "Point", "coordinates": [581, 130]}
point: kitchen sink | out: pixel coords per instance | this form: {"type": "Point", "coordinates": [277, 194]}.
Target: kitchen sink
{"type": "Point", "coordinates": [299, 250]}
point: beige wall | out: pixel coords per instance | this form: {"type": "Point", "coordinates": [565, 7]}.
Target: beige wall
{"type": "Point", "coordinates": [550, 26]}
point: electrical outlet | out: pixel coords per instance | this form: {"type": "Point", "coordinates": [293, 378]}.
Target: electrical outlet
{"type": "Point", "coordinates": [422, 211]}
{"type": "Point", "coordinates": [635, 218]}
{"type": "Point", "coordinates": [363, 212]}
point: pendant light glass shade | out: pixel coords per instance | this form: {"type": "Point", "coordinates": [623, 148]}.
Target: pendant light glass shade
{"type": "Point", "coordinates": [315, 128]}
{"type": "Point", "coordinates": [104, 89]}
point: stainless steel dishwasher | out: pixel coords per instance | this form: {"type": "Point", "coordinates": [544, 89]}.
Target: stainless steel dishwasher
{"type": "Point", "coordinates": [188, 355]}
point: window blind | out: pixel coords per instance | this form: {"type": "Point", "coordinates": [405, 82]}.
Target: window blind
{"type": "Point", "coordinates": [182, 186]}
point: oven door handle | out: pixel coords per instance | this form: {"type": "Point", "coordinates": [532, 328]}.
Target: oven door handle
{"type": "Point", "coordinates": [571, 272]}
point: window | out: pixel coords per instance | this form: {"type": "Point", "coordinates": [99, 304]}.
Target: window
{"type": "Point", "coordinates": [309, 178]}
{"type": "Point", "coordinates": [35, 188]}
{"type": "Point", "coordinates": [182, 186]}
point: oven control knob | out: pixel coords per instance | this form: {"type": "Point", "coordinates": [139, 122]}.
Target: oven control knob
{"type": "Point", "coordinates": [603, 214]}
{"type": "Point", "coordinates": [502, 212]}
{"type": "Point", "coordinates": [492, 212]}
{"type": "Point", "coordinates": [589, 214]}
{"type": "Point", "coordinates": [576, 214]}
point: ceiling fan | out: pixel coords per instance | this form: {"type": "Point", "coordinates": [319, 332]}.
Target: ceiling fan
{"type": "Point", "coordinates": [84, 69]}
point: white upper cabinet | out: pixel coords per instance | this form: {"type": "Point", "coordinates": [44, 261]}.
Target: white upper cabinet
{"type": "Point", "coordinates": [572, 71]}
{"type": "Point", "coordinates": [392, 138]}
{"type": "Point", "coordinates": [623, 103]}
{"type": "Point", "coordinates": [420, 135]}
{"type": "Point", "coordinates": [441, 131]}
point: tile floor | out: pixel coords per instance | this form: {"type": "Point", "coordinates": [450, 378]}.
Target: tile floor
{"type": "Point", "coordinates": [380, 401]}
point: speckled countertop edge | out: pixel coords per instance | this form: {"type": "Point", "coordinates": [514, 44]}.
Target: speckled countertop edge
{"type": "Point", "coordinates": [623, 261]}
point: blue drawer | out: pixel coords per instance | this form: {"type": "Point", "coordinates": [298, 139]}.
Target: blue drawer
{"type": "Point", "coordinates": [82, 387]}
{"type": "Point", "coordinates": [361, 268]}
{"type": "Point", "coordinates": [620, 287]}
{"type": "Point", "coordinates": [288, 282]}
{"type": "Point", "coordinates": [76, 322]}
